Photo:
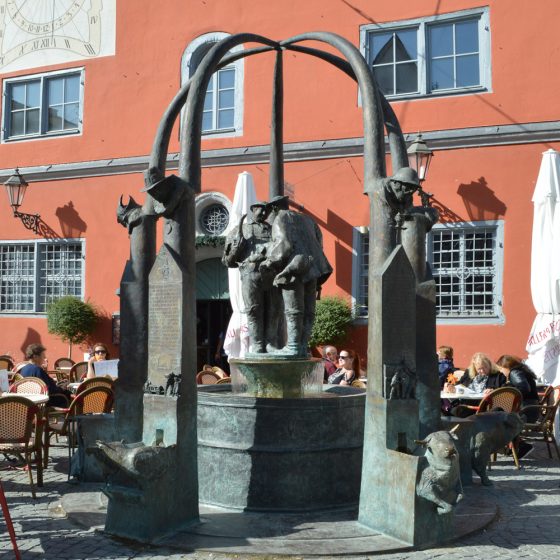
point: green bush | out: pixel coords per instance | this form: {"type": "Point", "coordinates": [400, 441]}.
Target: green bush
{"type": "Point", "coordinates": [71, 319]}
{"type": "Point", "coordinates": [333, 316]}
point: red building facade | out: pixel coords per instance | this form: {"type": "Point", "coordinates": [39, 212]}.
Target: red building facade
{"type": "Point", "coordinates": [84, 89]}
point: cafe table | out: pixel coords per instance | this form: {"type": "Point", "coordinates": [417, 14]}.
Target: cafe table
{"type": "Point", "coordinates": [468, 396]}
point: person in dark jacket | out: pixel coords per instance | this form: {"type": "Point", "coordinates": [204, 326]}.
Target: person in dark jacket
{"type": "Point", "coordinates": [522, 378]}
{"type": "Point", "coordinates": [36, 355]}
{"type": "Point", "coordinates": [445, 363]}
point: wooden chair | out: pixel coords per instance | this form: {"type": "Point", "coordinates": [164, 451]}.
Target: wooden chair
{"type": "Point", "coordinates": [223, 380]}
{"type": "Point", "coordinates": [19, 366]}
{"type": "Point", "coordinates": [29, 385]}
{"type": "Point", "coordinates": [542, 430]}
{"type": "Point", "coordinates": [78, 372]}
{"type": "Point", "coordinates": [95, 382]}
{"type": "Point", "coordinates": [63, 362]}
{"type": "Point", "coordinates": [6, 363]}
{"type": "Point", "coordinates": [18, 418]}
{"type": "Point", "coordinates": [357, 383]}
{"type": "Point", "coordinates": [207, 377]}
{"type": "Point", "coordinates": [506, 398]}
{"type": "Point", "coordinates": [95, 400]}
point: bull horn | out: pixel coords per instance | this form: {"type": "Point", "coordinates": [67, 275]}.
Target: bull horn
{"type": "Point", "coordinates": [454, 429]}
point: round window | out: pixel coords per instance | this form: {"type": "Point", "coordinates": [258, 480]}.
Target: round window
{"type": "Point", "coordinates": [214, 219]}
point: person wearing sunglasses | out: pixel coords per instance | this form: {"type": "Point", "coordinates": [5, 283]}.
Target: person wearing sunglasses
{"type": "Point", "coordinates": [99, 354]}
{"type": "Point", "coordinates": [345, 374]}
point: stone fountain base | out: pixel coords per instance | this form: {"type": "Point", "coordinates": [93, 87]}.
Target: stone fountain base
{"type": "Point", "coordinates": [266, 454]}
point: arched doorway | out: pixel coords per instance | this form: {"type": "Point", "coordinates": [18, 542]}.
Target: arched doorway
{"type": "Point", "coordinates": [213, 309]}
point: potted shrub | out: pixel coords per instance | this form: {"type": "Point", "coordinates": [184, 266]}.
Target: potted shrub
{"type": "Point", "coordinates": [71, 319]}
{"type": "Point", "coordinates": [333, 316]}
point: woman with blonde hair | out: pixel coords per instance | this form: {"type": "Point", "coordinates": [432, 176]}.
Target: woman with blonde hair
{"type": "Point", "coordinates": [482, 375]}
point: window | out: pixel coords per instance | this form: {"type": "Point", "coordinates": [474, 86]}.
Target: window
{"type": "Point", "coordinates": [360, 271]}
{"type": "Point", "coordinates": [430, 56]}
{"type": "Point", "coordinates": [223, 104]}
{"type": "Point", "coordinates": [32, 274]}
{"type": "Point", "coordinates": [45, 105]}
{"type": "Point", "coordinates": [214, 219]}
{"type": "Point", "coordinates": [466, 262]}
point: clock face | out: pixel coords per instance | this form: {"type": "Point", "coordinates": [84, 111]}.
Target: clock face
{"type": "Point", "coordinates": [42, 32]}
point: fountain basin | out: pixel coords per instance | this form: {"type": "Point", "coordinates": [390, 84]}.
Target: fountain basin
{"type": "Point", "coordinates": [271, 454]}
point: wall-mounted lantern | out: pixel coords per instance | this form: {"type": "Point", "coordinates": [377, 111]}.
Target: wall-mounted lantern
{"type": "Point", "coordinates": [16, 186]}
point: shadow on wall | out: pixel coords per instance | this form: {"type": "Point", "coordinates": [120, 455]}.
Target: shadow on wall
{"type": "Point", "coordinates": [480, 201]}
{"type": "Point", "coordinates": [71, 225]}
{"type": "Point", "coordinates": [32, 337]}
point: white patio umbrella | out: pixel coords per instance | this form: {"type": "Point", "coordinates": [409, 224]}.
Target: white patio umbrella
{"type": "Point", "coordinates": [543, 346]}
{"type": "Point", "coordinates": [236, 341]}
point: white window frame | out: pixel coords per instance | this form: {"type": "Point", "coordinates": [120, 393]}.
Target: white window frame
{"type": "Point", "coordinates": [422, 25]}
{"type": "Point", "coordinates": [43, 119]}
{"type": "Point", "coordinates": [186, 72]}
{"type": "Point", "coordinates": [497, 316]}
{"type": "Point", "coordinates": [37, 274]}
{"type": "Point", "coordinates": [360, 250]}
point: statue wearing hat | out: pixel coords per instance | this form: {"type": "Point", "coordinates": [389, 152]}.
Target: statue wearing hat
{"type": "Point", "coordinates": [247, 247]}
{"type": "Point", "coordinates": [300, 267]}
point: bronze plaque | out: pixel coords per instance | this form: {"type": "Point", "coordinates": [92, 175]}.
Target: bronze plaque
{"type": "Point", "coordinates": [164, 325]}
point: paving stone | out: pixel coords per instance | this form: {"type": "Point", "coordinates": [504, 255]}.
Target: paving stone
{"type": "Point", "coordinates": [527, 525]}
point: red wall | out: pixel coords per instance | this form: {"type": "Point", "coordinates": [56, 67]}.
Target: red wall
{"type": "Point", "coordinates": [126, 94]}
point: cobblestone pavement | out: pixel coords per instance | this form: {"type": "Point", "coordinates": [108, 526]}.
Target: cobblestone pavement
{"type": "Point", "coordinates": [528, 525]}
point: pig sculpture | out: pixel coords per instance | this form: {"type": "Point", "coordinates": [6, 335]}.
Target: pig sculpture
{"type": "Point", "coordinates": [491, 432]}
{"type": "Point", "coordinates": [440, 480]}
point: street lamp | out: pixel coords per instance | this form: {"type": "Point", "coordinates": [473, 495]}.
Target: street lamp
{"type": "Point", "coordinates": [16, 186]}
{"type": "Point", "coordinates": [419, 157]}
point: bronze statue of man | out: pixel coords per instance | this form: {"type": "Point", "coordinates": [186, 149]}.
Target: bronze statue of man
{"type": "Point", "coordinates": [247, 247]}
{"type": "Point", "coordinates": [300, 267]}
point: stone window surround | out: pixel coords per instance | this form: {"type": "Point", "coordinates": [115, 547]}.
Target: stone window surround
{"type": "Point", "coordinates": [203, 41]}
{"type": "Point", "coordinates": [43, 133]}
{"type": "Point", "coordinates": [422, 24]}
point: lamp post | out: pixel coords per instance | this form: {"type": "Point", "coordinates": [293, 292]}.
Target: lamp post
{"type": "Point", "coordinates": [419, 158]}
{"type": "Point", "coordinates": [16, 186]}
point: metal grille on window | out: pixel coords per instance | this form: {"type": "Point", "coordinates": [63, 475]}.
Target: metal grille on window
{"type": "Point", "coordinates": [214, 219]}
{"type": "Point", "coordinates": [60, 272]}
{"type": "Point", "coordinates": [464, 267]}
{"type": "Point", "coordinates": [17, 278]}
{"type": "Point", "coordinates": [362, 300]}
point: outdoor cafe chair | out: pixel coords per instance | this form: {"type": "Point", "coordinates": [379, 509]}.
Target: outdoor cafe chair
{"type": "Point", "coordinates": [64, 362]}
{"type": "Point", "coordinates": [29, 385]}
{"type": "Point", "coordinates": [95, 382]}
{"type": "Point", "coordinates": [78, 371]}
{"type": "Point", "coordinates": [95, 400]}
{"type": "Point", "coordinates": [208, 376]}
{"type": "Point", "coordinates": [6, 363]}
{"type": "Point", "coordinates": [223, 380]}
{"type": "Point", "coordinates": [20, 433]}
{"type": "Point", "coordinates": [542, 430]}
{"type": "Point", "coordinates": [358, 383]}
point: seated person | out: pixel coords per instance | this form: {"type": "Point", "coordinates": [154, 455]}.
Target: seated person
{"type": "Point", "coordinates": [99, 354]}
{"type": "Point", "coordinates": [482, 376]}
{"type": "Point", "coordinates": [330, 356]}
{"type": "Point", "coordinates": [345, 374]}
{"type": "Point", "coordinates": [35, 354]}
{"type": "Point", "coordinates": [521, 377]}
{"type": "Point", "coordinates": [445, 363]}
